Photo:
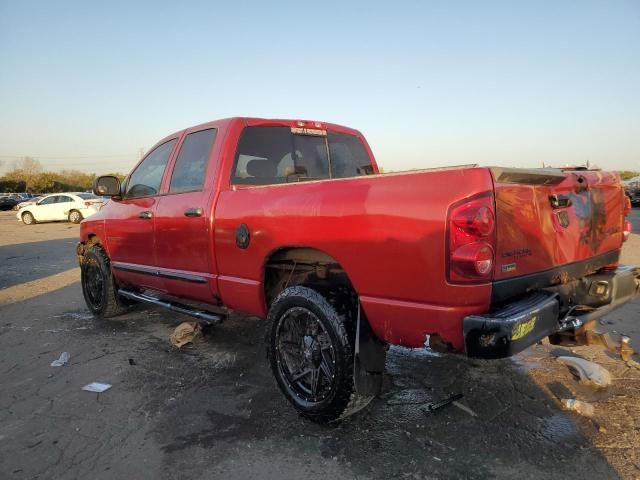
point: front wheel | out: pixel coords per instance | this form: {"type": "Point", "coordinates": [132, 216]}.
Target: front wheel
{"type": "Point", "coordinates": [98, 287]}
{"type": "Point", "coordinates": [27, 218]}
{"type": "Point", "coordinates": [311, 354]}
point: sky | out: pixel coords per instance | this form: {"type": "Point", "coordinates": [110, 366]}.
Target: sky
{"type": "Point", "coordinates": [88, 85]}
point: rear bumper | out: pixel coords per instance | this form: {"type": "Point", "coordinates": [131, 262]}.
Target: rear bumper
{"type": "Point", "coordinates": [522, 323]}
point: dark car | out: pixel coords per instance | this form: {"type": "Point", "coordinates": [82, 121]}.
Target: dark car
{"type": "Point", "coordinates": [7, 202]}
{"type": "Point", "coordinates": [633, 192]}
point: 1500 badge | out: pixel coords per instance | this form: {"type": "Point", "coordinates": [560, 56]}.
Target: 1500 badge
{"type": "Point", "coordinates": [523, 329]}
{"type": "Point", "coordinates": [517, 253]}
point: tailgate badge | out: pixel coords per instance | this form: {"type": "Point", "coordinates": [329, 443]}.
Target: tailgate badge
{"type": "Point", "coordinates": [508, 267]}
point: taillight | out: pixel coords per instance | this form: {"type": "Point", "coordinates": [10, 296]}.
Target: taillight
{"type": "Point", "coordinates": [471, 230]}
{"type": "Point", "coordinates": [88, 204]}
{"type": "Point", "coordinates": [627, 205]}
{"type": "Point", "coordinates": [626, 231]}
{"type": "Point", "coordinates": [626, 225]}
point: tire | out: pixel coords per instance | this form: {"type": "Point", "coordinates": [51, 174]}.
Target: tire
{"type": "Point", "coordinates": [98, 287]}
{"type": "Point", "coordinates": [75, 216]}
{"type": "Point", "coordinates": [308, 334]}
{"type": "Point", "coordinates": [28, 219]}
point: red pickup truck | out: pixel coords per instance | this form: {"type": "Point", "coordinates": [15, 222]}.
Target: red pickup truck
{"type": "Point", "coordinates": [292, 221]}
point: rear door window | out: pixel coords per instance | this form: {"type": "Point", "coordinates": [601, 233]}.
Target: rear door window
{"type": "Point", "coordinates": [191, 164]}
{"type": "Point", "coordinates": [146, 178]}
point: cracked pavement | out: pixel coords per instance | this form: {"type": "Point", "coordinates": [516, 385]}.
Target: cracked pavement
{"type": "Point", "coordinates": [212, 410]}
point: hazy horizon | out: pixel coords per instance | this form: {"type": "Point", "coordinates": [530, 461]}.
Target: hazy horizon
{"type": "Point", "coordinates": [88, 85]}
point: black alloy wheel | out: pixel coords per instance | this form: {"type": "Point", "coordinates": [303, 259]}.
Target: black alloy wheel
{"type": "Point", "coordinates": [311, 354]}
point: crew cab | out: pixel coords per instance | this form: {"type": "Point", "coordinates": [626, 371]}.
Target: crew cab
{"type": "Point", "coordinates": [292, 221]}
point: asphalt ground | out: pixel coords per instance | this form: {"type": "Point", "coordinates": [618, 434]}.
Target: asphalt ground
{"type": "Point", "coordinates": [212, 410]}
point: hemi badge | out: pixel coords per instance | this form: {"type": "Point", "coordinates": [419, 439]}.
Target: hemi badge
{"type": "Point", "coordinates": [509, 267]}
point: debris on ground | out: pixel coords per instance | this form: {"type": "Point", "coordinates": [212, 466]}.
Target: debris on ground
{"type": "Point", "coordinates": [626, 351]}
{"type": "Point", "coordinates": [586, 371]}
{"type": "Point", "coordinates": [184, 333]}
{"type": "Point", "coordinates": [62, 360]}
{"type": "Point", "coordinates": [96, 387]}
{"type": "Point", "coordinates": [582, 408]}
{"type": "Point", "coordinates": [633, 364]}
{"type": "Point", "coordinates": [132, 361]}
{"type": "Point", "coordinates": [434, 407]}
{"type": "Point", "coordinates": [464, 408]}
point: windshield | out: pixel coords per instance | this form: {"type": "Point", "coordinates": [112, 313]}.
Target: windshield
{"type": "Point", "coordinates": [88, 196]}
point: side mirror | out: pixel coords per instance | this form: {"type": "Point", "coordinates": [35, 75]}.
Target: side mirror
{"type": "Point", "coordinates": [107, 186]}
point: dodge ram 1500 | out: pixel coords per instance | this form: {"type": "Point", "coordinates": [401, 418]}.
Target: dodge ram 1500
{"type": "Point", "coordinates": [292, 221]}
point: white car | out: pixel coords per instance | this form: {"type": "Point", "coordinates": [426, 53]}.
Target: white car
{"type": "Point", "coordinates": [60, 206]}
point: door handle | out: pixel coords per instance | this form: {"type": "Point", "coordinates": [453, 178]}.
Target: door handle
{"type": "Point", "coordinates": [147, 215]}
{"type": "Point", "coordinates": [193, 212]}
{"type": "Point", "coordinates": [559, 201]}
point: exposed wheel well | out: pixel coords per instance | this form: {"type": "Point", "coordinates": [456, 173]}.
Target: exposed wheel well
{"type": "Point", "coordinates": [93, 239]}
{"type": "Point", "coordinates": [310, 267]}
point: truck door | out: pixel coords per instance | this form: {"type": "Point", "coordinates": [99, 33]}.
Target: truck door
{"type": "Point", "coordinates": [131, 227]}
{"type": "Point", "coordinates": [184, 221]}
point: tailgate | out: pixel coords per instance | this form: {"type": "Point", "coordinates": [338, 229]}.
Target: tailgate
{"type": "Point", "coordinates": [548, 218]}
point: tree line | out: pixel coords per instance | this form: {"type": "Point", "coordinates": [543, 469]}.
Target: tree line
{"type": "Point", "coordinates": [29, 176]}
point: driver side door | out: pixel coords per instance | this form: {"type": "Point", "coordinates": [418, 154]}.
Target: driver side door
{"type": "Point", "coordinates": [130, 233]}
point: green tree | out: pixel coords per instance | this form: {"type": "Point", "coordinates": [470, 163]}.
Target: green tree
{"type": "Point", "coordinates": [628, 174]}
{"type": "Point", "coordinates": [47, 182]}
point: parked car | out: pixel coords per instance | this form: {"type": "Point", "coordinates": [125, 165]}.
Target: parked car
{"type": "Point", "coordinates": [290, 220]}
{"type": "Point", "coordinates": [27, 202]}
{"type": "Point", "coordinates": [633, 192]}
{"type": "Point", "coordinates": [60, 206]}
{"type": "Point", "coordinates": [7, 202]}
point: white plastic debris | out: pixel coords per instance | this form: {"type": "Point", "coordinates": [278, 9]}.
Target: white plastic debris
{"type": "Point", "coordinates": [587, 371]}
{"type": "Point", "coordinates": [583, 408]}
{"type": "Point", "coordinates": [96, 387]}
{"type": "Point", "coordinates": [464, 408]}
{"type": "Point", "coordinates": [63, 359]}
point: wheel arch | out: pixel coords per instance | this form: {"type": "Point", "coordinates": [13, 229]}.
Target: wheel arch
{"type": "Point", "coordinates": [29, 212]}
{"type": "Point", "coordinates": [301, 265]}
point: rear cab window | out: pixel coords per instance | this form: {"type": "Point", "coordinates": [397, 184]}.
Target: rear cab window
{"type": "Point", "coordinates": [269, 155]}
{"type": "Point", "coordinates": [87, 196]}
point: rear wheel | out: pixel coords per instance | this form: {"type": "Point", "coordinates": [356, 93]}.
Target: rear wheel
{"type": "Point", "coordinates": [27, 218]}
{"type": "Point", "coordinates": [311, 354]}
{"type": "Point", "coordinates": [98, 287]}
{"type": "Point", "coordinates": [75, 216]}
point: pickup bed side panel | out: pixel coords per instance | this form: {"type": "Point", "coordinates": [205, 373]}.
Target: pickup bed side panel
{"type": "Point", "coordinates": [387, 231]}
